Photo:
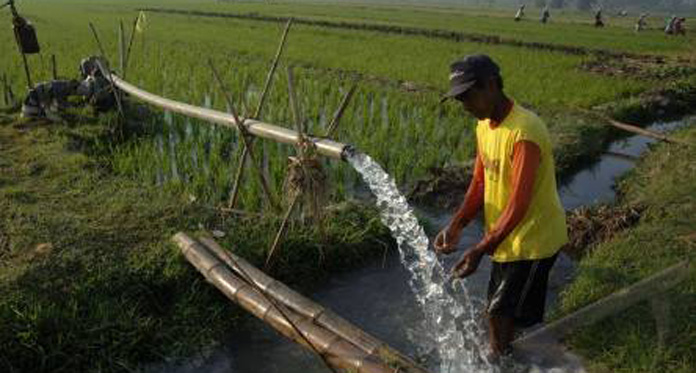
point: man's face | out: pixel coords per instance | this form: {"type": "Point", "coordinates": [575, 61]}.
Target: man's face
{"type": "Point", "coordinates": [478, 100]}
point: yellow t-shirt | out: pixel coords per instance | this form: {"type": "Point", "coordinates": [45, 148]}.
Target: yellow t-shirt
{"type": "Point", "coordinates": [542, 231]}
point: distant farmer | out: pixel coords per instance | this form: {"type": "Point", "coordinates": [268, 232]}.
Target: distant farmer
{"type": "Point", "coordinates": [598, 21]}
{"type": "Point", "coordinates": [679, 28]}
{"type": "Point", "coordinates": [669, 29]}
{"type": "Point", "coordinates": [514, 183]}
{"type": "Point", "coordinates": [545, 14]}
{"type": "Point", "coordinates": [641, 23]}
{"type": "Point", "coordinates": [520, 13]}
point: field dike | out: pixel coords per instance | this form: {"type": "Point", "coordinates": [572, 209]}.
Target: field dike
{"type": "Point", "coordinates": [651, 227]}
{"type": "Point", "coordinates": [411, 31]}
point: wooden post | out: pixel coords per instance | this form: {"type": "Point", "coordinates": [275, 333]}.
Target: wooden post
{"type": "Point", "coordinates": [121, 48]}
{"type": "Point", "coordinates": [5, 95]}
{"type": "Point", "coordinates": [645, 289]}
{"type": "Point", "coordinates": [54, 68]}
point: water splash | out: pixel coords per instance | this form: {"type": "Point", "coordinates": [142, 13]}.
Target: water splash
{"type": "Point", "coordinates": [450, 324]}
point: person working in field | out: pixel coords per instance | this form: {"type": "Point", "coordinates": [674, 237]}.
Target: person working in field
{"type": "Point", "coordinates": [514, 183]}
{"type": "Point", "coordinates": [642, 22]}
{"type": "Point", "coordinates": [598, 21]}
{"type": "Point", "coordinates": [545, 14]}
{"type": "Point", "coordinates": [520, 13]}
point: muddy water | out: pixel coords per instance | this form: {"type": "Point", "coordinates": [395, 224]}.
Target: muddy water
{"type": "Point", "coordinates": [379, 298]}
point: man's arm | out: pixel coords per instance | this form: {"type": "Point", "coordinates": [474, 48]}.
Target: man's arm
{"type": "Point", "coordinates": [448, 238]}
{"type": "Point", "coordinates": [525, 163]}
{"type": "Point", "coordinates": [473, 200]}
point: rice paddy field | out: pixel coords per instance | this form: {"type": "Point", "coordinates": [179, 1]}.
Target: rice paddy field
{"type": "Point", "coordinates": [400, 77]}
{"type": "Point", "coordinates": [397, 54]}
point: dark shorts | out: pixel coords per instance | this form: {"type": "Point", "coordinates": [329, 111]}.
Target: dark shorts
{"type": "Point", "coordinates": [518, 290]}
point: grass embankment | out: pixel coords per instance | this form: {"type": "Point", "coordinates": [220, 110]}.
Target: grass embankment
{"type": "Point", "coordinates": [88, 277]}
{"type": "Point", "coordinates": [665, 184]}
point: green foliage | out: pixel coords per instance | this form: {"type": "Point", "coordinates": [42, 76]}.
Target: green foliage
{"type": "Point", "coordinates": [90, 281]}
{"type": "Point", "coordinates": [665, 183]}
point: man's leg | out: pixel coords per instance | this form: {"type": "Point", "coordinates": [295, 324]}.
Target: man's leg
{"type": "Point", "coordinates": [500, 334]}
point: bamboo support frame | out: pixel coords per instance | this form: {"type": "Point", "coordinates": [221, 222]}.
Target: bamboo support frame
{"type": "Point", "coordinates": [234, 195]}
{"type": "Point", "coordinates": [337, 351]}
{"type": "Point", "coordinates": [308, 308]}
{"type": "Point", "coordinates": [245, 138]}
{"type": "Point", "coordinates": [326, 147]}
{"type": "Point", "coordinates": [612, 304]}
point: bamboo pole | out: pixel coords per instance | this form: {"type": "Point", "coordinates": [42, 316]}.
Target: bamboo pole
{"type": "Point", "coordinates": [281, 231]}
{"type": "Point", "coordinates": [612, 304]}
{"type": "Point", "coordinates": [308, 308]}
{"type": "Point", "coordinates": [121, 49]}
{"type": "Point", "coordinates": [5, 93]}
{"type": "Point", "coordinates": [244, 135]}
{"type": "Point", "coordinates": [130, 45]}
{"type": "Point", "coordinates": [635, 129]}
{"type": "Point", "coordinates": [257, 128]}
{"type": "Point", "coordinates": [54, 67]}
{"type": "Point", "coordinates": [339, 113]}
{"type": "Point", "coordinates": [338, 352]}
{"type": "Point", "coordinates": [234, 195]}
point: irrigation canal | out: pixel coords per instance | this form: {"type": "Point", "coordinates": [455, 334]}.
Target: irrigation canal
{"type": "Point", "coordinates": [379, 299]}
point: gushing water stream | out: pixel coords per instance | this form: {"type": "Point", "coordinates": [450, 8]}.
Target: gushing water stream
{"type": "Point", "coordinates": [449, 326]}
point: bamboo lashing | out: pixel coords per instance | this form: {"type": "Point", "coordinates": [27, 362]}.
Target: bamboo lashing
{"type": "Point", "coordinates": [234, 195]}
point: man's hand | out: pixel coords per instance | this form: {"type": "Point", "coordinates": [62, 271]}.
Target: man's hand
{"type": "Point", "coordinates": [468, 263]}
{"type": "Point", "coordinates": [447, 240]}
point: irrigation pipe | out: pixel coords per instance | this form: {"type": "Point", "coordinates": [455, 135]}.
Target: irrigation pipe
{"type": "Point", "coordinates": [326, 147]}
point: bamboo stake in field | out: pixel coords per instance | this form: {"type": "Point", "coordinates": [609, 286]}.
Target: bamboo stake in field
{"type": "Point", "coordinates": [130, 45]}
{"type": "Point", "coordinates": [121, 49]}
{"type": "Point", "coordinates": [244, 135]}
{"type": "Point", "coordinates": [234, 195]}
{"type": "Point", "coordinates": [106, 71]}
{"type": "Point", "coordinates": [301, 141]}
{"type": "Point", "coordinates": [5, 94]}
{"type": "Point", "coordinates": [54, 67]}
{"type": "Point", "coordinates": [339, 113]}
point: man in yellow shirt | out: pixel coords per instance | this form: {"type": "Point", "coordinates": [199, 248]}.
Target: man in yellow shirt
{"type": "Point", "coordinates": [514, 182]}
